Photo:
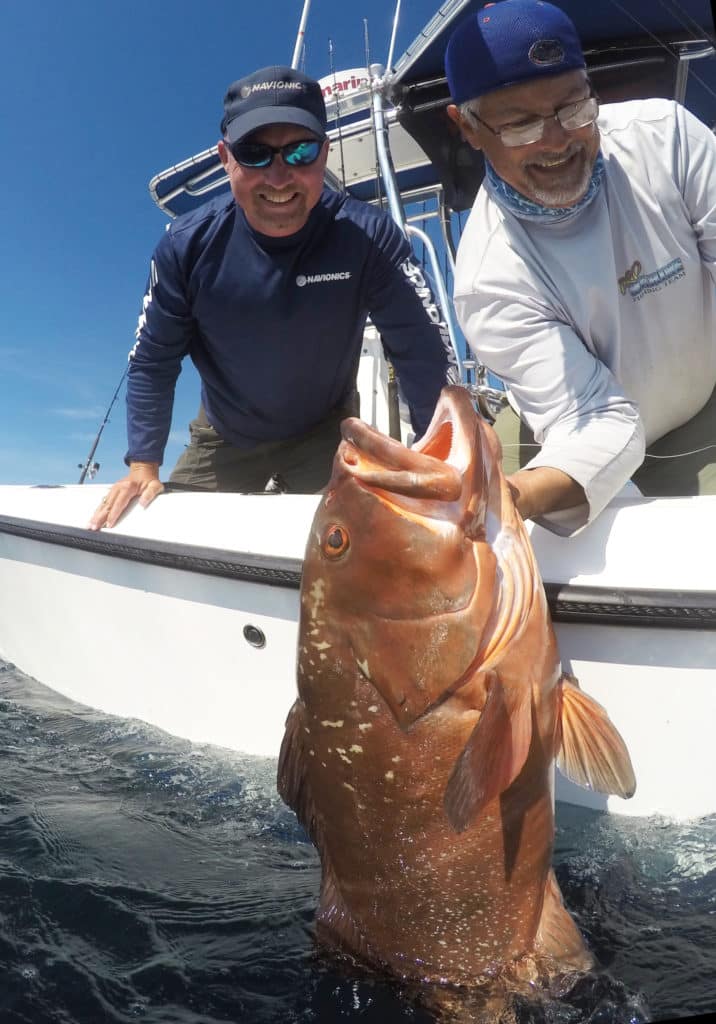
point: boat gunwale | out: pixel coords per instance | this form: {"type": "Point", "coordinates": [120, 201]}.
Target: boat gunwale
{"type": "Point", "coordinates": [273, 570]}
{"type": "Point", "coordinates": [568, 602]}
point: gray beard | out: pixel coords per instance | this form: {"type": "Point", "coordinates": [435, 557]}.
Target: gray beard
{"type": "Point", "coordinates": [563, 195]}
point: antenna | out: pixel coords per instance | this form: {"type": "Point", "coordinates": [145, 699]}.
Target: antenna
{"type": "Point", "coordinates": [378, 177]}
{"type": "Point", "coordinates": [366, 42]}
{"type": "Point", "coordinates": [336, 95]}
{"type": "Point", "coordinates": [301, 35]}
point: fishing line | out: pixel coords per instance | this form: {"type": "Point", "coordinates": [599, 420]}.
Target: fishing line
{"type": "Point", "coordinates": [673, 7]}
{"type": "Point", "coordinates": [681, 455]}
{"type": "Point", "coordinates": [680, 15]}
{"type": "Point", "coordinates": [678, 455]}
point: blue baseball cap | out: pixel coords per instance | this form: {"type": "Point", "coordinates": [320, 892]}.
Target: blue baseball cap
{"type": "Point", "coordinates": [273, 95]}
{"type": "Point", "coordinates": [508, 42]}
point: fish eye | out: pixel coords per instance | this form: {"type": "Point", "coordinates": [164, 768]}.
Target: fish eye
{"type": "Point", "coordinates": [336, 541]}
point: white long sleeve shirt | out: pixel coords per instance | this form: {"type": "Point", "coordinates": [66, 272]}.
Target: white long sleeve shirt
{"type": "Point", "coordinates": [603, 326]}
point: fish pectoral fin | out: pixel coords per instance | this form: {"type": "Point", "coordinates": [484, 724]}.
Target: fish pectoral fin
{"type": "Point", "coordinates": [291, 780]}
{"type": "Point", "coordinates": [591, 752]}
{"type": "Point", "coordinates": [557, 935]}
{"type": "Point", "coordinates": [492, 758]}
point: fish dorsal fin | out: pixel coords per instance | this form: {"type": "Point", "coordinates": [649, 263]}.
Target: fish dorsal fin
{"type": "Point", "coordinates": [493, 756]}
{"type": "Point", "coordinates": [518, 586]}
{"type": "Point", "coordinates": [591, 752]}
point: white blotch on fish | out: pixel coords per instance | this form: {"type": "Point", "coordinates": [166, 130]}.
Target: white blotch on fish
{"type": "Point", "coordinates": [317, 594]}
{"type": "Point", "coordinates": [363, 666]}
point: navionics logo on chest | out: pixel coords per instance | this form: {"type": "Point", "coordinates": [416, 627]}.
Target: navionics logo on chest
{"type": "Point", "coordinates": [303, 279]}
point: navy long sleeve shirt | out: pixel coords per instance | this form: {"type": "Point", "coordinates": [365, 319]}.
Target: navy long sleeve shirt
{"type": "Point", "coordinates": [274, 326]}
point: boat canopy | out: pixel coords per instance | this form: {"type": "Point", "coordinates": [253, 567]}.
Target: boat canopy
{"type": "Point", "coordinates": [634, 48]}
{"type": "Point", "coordinates": [607, 23]}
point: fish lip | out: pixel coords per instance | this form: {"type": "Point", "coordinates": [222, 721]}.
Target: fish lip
{"type": "Point", "coordinates": [435, 468]}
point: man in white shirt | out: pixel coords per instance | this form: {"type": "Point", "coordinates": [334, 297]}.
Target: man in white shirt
{"type": "Point", "coordinates": [585, 274]}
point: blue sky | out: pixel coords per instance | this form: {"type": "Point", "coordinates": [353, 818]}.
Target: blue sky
{"type": "Point", "coordinates": [96, 99]}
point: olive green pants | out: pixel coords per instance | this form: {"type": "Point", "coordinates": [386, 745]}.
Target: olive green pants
{"type": "Point", "coordinates": [302, 464]}
{"type": "Point", "coordinates": [683, 462]}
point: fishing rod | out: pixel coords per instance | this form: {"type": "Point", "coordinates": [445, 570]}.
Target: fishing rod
{"type": "Point", "coordinates": [301, 35]}
{"type": "Point", "coordinates": [391, 48]}
{"type": "Point", "coordinates": [89, 467]}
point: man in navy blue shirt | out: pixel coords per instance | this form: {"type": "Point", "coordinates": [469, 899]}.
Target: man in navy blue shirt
{"type": "Point", "coordinates": [268, 292]}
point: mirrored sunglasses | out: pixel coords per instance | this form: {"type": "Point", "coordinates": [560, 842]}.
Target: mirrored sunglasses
{"type": "Point", "coordinates": [302, 153]}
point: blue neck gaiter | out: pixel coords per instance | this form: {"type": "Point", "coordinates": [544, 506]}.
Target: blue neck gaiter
{"type": "Point", "coordinates": [513, 201]}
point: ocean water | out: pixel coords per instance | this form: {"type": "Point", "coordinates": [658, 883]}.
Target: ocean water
{"type": "Point", "coordinates": [143, 879]}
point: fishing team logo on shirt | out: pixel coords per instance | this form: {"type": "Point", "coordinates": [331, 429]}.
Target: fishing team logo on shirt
{"type": "Point", "coordinates": [303, 279]}
{"type": "Point", "coordinates": [639, 284]}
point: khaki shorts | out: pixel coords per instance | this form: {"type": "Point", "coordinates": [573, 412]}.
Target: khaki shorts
{"type": "Point", "coordinates": [683, 462]}
{"type": "Point", "coordinates": [303, 464]}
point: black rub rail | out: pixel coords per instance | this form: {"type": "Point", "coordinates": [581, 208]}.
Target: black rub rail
{"type": "Point", "coordinates": [568, 602]}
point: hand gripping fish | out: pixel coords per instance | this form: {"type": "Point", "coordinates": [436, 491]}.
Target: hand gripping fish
{"type": "Point", "coordinates": [431, 708]}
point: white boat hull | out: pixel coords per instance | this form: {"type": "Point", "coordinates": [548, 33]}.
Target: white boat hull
{"type": "Point", "coordinates": [145, 623]}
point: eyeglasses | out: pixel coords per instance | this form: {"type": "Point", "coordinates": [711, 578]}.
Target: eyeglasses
{"type": "Point", "coordinates": [573, 116]}
{"type": "Point", "coordinates": [259, 154]}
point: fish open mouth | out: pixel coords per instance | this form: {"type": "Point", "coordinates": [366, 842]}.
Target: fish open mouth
{"type": "Point", "coordinates": [450, 436]}
{"type": "Point", "coordinates": [434, 468]}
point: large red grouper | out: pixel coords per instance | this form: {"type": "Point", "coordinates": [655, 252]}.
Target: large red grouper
{"type": "Point", "coordinates": [431, 708]}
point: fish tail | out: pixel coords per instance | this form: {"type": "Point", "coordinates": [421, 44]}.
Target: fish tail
{"type": "Point", "coordinates": [558, 939]}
